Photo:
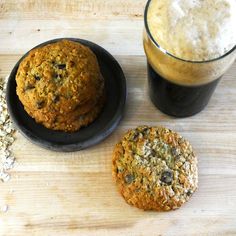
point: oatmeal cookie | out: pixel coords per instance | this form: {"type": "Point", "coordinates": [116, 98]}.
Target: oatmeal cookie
{"type": "Point", "coordinates": [59, 79]}
{"type": "Point", "coordinates": [155, 168]}
{"type": "Point", "coordinates": [73, 122]}
{"type": "Point", "coordinates": [44, 116]}
{"type": "Point", "coordinates": [81, 120]}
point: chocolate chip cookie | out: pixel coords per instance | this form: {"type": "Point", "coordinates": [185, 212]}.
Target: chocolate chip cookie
{"type": "Point", "coordinates": [155, 168]}
{"type": "Point", "coordinates": [74, 121]}
{"type": "Point", "coordinates": [60, 80]}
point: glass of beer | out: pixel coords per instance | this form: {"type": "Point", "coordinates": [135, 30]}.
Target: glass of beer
{"type": "Point", "coordinates": [189, 45]}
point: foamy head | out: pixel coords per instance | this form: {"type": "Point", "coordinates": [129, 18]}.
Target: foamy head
{"type": "Point", "coordinates": [196, 30]}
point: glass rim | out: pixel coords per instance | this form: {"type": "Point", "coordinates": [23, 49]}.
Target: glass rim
{"type": "Point", "coordinates": [170, 54]}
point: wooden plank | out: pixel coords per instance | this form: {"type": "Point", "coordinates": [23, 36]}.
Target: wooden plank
{"type": "Point", "coordinates": [119, 37]}
{"type": "Point", "coordinates": [116, 25]}
{"type": "Point", "coordinates": [80, 9]}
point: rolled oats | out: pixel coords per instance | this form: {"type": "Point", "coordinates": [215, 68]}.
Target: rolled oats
{"type": "Point", "coordinates": [6, 136]}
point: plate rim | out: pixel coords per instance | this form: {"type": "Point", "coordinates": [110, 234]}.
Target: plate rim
{"type": "Point", "coordinates": [72, 147]}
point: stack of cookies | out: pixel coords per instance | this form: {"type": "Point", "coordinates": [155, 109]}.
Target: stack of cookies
{"type": "Point", "coordinates": [60, 85]}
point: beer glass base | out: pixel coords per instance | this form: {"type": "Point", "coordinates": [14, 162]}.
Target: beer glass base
{"type": "Point", "coordinates": [174, 112]}
{"type": "Point", "coordinates": [178, 100]}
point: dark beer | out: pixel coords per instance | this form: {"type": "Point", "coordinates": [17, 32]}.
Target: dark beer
{"type": "Point", "coordinates": [178, 100]}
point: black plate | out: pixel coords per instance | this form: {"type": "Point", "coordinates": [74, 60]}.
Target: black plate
{"type": "Point", "coordinates": [107, 121]}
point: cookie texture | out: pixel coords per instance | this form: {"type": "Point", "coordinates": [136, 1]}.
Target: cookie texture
{"type": "Point", "coordinates": [155, 168]}
{"type": "Point", "coordinates": [61, 82]}
{"type": "Point", "coordinates": [74, 120]}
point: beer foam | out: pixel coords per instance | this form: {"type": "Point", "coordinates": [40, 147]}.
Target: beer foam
{"type": "Point", "coordinates": [195, 30]}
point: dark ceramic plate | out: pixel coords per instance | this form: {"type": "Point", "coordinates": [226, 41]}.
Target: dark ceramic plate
{"type": "Point", "coordinates": [104, 125]}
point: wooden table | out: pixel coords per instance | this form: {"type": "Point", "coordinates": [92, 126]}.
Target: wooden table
{"type": "Point", "coordinates": [73, 193]}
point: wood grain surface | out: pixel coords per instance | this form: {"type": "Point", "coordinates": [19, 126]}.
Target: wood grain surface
{"type": "Point", "coordinates": [73, 193]}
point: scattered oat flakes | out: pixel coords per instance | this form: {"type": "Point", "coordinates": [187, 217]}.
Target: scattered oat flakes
{"type": "Point", "coordinates": [6, 136]}
{"type": "Point", "coordinates": [5, 177]}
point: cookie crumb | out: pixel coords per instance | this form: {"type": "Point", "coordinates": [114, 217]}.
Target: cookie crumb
{"type": "Point", "coordinates": [4, 208]}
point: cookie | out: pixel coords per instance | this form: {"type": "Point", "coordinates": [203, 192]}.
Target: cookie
{"type": "Point", "coordinates": [73, 122]}
{"type": "Point", "coordinates": [80, 120]}
{"type": "Point", "coordinates": [49, 117]}
{"type": "Point", "coordinates": [59, 79]}
{"type": "Point", "coordinates": [155, 168]}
